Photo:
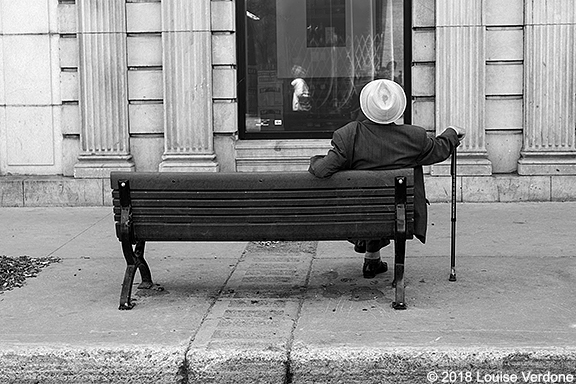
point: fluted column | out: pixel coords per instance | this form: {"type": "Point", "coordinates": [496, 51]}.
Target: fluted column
{"type": "Point", "coordinates": [460, 81]}
{"type": "Point", "coordinates": [550, 88]}
{"type": "Point", "coordinates": [187, 70]}
{"type": "Point", "coordinates": [103, 95]}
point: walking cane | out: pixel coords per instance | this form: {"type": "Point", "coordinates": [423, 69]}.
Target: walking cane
{"type": "Point", "coordinates": [453, 219]}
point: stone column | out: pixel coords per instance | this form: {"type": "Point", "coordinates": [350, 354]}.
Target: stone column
{"type": "Point", "coordinates": [460, 82]}
{"type": "Point", "coordinates": [549, 145]}
{"type": "Point", "coordinates": [104, 137]}
{"type": "Point", "coordinates": [187, 70]}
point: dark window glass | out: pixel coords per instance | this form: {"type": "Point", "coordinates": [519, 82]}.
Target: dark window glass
{"type": "Point", "coordinates": [325, 23]}
{"type": "Point", "coordinates": [302, 63]}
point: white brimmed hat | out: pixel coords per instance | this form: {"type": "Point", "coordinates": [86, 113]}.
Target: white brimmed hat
{"type": "Point", "coordinates": [383, 101]}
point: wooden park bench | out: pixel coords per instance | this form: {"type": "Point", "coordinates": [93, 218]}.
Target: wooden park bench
{"type": "Point", "coordinates": [271, 206]}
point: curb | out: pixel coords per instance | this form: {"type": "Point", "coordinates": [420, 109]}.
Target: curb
{"type": "Point", "coordinates": [300, 366]}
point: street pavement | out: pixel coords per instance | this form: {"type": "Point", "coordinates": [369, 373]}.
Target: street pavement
{"type": "Point", "coordinates": [295, 312]}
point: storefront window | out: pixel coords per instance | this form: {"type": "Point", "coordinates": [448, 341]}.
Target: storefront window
{"type": "Point", "coordinates": [302, 63]}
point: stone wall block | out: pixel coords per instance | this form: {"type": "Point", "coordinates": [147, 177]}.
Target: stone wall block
{"type": "Point", "coordinates": [18, 19]}
{"type": "Point", "coordinates": [145, 84]}
{"type": "Point", "coordinates": [224, 83]}
{"type": "Point", "coordinates": [144, 51]}
{"type": "Point", "coordinates": [504, 113]}
{"type": "Point", "coordinates": [224, 49]}
{"type": "Point", "coordinates": [423, 114]}
{"type": "Point", "coordinates": [505, 44]}
{"type": "Point", "coordinates": [11, 192]}
{"type": "Point", "coordinates": [479, 189]}
{"type": "Point", "coordinates": [146, 118]}
{"type": "Point", "coordinates": [67, 18]}
{"type": "Point", "coordinates": [439, 189]}
{"type": "Point", "coordinates": [225, 117]}
{"type": "Point", "coordinates": [423, 80]}
{"type": "Point", "coordinates": [27, 58]}
{"type": "Point", "coordinates": [504, 79]}
{"type": "Point", "coordinates": [504, 150]}
{"type": "Point", "coordinates": [504, 13]}
{"type": "Point", "coordinates": [424, 46]}
{"type": "Point", "coordinates": [69, 86]}
{"type": "Point", "coordinates": [563, 188]}
{"type": "Point", "coordinates": [69, 52]}
{"type": "Point", "coordinates": [147, 153]}
{"type": "Point", "coordinates": [31, 139]}
{"type": "Point", "coordinates": [223, 17]}
{"type": "Point", "coordinates": [423, 13]}
{"type": "Point", "coordinates": [39, 192]}
{"type": "Point", "coordinates": [533, 188]}
{"type": "Point", "coordinates": [143, 17]}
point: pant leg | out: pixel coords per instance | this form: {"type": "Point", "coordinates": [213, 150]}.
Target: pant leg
{"type": "Point", "coordinates": [362, 246]}
{"type": "Point", "coordinates": [376, 245]}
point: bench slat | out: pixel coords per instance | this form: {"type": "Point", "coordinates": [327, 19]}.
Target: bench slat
{"type": "Point", "coordinates": [231, 204]}
{"type": "Point", "coordinates": [259, 195]}
{"type": "Point", "coordinates": [259, 232]}
{"type": "Point", "coordinates": [270, 219]}
{"type": "Point", "coordinates": [335, 211]}
{"type": "Point", "coordinates": [269, 181]}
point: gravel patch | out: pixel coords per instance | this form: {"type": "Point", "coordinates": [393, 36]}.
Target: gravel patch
{"type": "Point", "coordinates": [283, 246]}
{"type": "Point", "coordinates": [15, 270]}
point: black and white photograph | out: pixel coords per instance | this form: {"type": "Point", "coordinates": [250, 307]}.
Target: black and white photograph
{"type": "Point", "coordinates": [287, 191]}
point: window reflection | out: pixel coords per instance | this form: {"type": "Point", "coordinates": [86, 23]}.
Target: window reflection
{"type": "Point", "coordinates": [307, 60]}
{"type": "Point", "coordinates": [325, 23]}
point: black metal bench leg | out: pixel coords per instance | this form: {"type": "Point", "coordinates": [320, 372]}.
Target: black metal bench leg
{"type": "Point", "coordinates": [400, 241]}
{"type": "Point", "coordinates": [131, 267]}
{"type": "Point", "coordinates": [135, 261]}
{"type": "Point", "coordinates": [125, 295]}
{"type": "Point", "coordinates": [399, 257]}
{"type": "Point", "coordinates": [143, 266]}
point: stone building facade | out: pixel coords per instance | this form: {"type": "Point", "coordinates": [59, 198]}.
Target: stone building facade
{"type": "Point", "coordinates": [90, 86]}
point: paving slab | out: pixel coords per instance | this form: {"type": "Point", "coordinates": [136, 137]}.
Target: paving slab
{"type": "Point", "coordinates": [39, 232]}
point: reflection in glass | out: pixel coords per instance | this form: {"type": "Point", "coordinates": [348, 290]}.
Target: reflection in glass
{"type": "Point", "coordinates": [325, 23]}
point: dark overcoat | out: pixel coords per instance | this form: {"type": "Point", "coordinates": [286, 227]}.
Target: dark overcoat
{"type": "Point", "coordinates": [369, 146]}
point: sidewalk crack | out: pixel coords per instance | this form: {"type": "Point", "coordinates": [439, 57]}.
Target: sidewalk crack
{"type": "Point", "coordinates": [79, 234]}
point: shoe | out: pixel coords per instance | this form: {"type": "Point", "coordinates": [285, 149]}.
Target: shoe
{"type": "Point", "coordinates": [373, 267]}
{"type": "Point", "coordinates": [360, 246]}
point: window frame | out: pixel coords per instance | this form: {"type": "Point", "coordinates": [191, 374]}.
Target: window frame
{"type": "Point", "coordinates": [241, 68]}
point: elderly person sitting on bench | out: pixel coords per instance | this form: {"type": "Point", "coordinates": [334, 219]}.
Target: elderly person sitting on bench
{"type": "Point", "coordinates": [375, 142]}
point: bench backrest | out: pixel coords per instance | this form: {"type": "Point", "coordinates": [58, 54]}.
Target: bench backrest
{"type": "Point", "coordinates": [190, 206]}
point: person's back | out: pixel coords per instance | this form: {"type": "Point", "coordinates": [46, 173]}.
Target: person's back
{"type": "Point", "coordinates": [377, 143]}
{"type": "Point", "coordinates": [397, 146]}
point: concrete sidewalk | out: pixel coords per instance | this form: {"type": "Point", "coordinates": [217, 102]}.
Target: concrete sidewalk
{"type": "Point", "coordinates": [294, 312]}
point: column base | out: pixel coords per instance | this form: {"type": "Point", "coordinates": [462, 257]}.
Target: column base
{"type": "Point", "coordinates": [189, 163]}
{"type": "Point", "coordinates": [467, 165]}
{"type": "Point", "coordinates": [100, 166]}
{"type": "Point", "coordinates": [559, 163]}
